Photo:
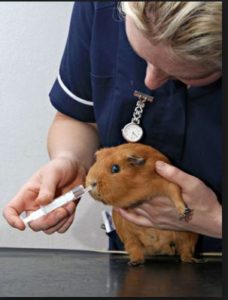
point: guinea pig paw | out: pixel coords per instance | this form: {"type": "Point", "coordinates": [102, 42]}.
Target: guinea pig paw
{"type": "Point", "coordinates": [187, 215]}
{"type": "Point", "coordinates": [191, 259]}
{"type": "Point", "coordinates": [136, 263]}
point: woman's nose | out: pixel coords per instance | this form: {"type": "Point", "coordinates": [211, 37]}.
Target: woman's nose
{"type": "Point", "coordinates": [155, 77]}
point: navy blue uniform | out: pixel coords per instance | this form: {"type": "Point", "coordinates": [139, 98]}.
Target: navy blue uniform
{"type": "Point", "coordinates": [98, 74]}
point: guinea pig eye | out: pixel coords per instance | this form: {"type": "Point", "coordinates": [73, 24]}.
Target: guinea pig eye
{"type": "Point", "coordinates": [115, 168]}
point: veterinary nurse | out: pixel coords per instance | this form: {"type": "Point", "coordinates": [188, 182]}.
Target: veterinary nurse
{"type": "Point", "coordinates": [170, 51]}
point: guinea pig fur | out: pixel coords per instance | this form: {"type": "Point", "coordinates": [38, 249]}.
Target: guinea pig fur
{"type": "Point", "coordinates": [124, 176]}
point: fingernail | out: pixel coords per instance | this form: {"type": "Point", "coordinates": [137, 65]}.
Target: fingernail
{"type": "Point", "coordinates": [160, 164]}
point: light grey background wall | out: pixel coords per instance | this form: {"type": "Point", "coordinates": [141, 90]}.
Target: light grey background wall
{"type": "Point", "coordinates": [32, 40]}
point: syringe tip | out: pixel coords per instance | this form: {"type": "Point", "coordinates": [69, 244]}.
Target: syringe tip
{"type": "Point", "coordinates": [88, 188]}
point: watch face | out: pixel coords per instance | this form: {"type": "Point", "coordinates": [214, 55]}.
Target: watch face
{"type": "Point", "coordinates": [132, 132]}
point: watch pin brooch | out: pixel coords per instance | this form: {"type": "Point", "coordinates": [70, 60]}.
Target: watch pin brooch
{"type": "Point", "coordinates": [133, 132]}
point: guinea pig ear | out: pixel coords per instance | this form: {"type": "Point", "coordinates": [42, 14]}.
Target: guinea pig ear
{"type": "Point", "coordinates": [96, 154]}
{"type": "Point", "coordinates": [135, 160]}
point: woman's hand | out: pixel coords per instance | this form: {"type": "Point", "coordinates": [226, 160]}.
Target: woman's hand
{"type": "Point", "coordinates": [53, 179]}
{"type": "Point", "coordinates": [160, 212]}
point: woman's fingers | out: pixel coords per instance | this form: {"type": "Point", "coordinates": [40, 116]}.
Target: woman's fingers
{"type": "Point", "coordinates": [55, 228]}
{"type": "Point", "coordinates": [12, 217]}
{"type": "Point", "coordinates": [47, 189]}
{"type": "Point", "coordinates": [23, 199]}
{"type": "Point", "coordinates": [66, 225]}
{"type": "Point", "coordinates": [55, 219]}
{"type": "Point", "coordinates": [134, 217]}
{"type": "Point", "coordinates": [186, 181]}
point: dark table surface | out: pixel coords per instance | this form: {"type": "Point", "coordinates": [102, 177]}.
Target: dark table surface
{"type": "Point", "coordinates": [72, 273]}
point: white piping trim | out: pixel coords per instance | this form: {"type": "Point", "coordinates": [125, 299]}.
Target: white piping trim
{"type": "Point", "coordinates": [69, 93]}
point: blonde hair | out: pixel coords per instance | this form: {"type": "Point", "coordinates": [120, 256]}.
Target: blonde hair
{"type": "Point", "coordinates": [193, 30]}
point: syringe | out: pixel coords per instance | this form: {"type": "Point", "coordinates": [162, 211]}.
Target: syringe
{"type": "Point", "coordinates": [74, 194]}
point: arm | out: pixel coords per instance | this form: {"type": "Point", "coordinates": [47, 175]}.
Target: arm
{"type": "Point", "coordinates": [71, 145]}
{"type": "Point", "coordinates": [72, 139]}
{"type": "Point", "coordinates": [161, 214]}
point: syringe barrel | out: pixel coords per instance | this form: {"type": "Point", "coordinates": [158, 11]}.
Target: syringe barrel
{"type": "Point", "coordinates": [74, 194]}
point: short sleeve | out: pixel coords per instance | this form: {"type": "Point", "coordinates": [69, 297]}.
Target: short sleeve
{"type": "Point", "coordinates": [71, 92]}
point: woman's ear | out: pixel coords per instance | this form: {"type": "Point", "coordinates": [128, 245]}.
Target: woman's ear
{"type": "Point", "coordinates": [135, 160]}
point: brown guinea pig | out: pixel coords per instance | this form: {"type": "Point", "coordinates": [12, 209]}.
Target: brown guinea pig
{"type": "Point", "coordinates": [124, 176]}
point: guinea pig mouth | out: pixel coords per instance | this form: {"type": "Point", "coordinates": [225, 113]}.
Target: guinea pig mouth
{"type": "Point", "coordinates": [96, 195]}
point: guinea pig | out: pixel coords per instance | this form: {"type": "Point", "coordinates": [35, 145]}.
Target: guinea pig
{"type": "Point", "coordinates": [124, 176]}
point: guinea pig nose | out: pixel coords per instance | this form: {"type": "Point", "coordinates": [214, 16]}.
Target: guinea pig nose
{"type": "Point", "coordinates": [93, 183]}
